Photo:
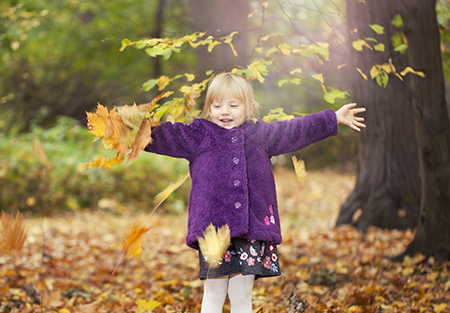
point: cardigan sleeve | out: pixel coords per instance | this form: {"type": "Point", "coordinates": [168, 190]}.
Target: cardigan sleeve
{"type": "Point", "coordinates": [176, 140]}
{"type": "Point", "coordinates": [289, 136]}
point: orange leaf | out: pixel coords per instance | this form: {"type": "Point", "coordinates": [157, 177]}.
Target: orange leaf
{"type": "Point", "coordinates": [13, 233]}
{"type": "Point", "coordinates": [134, 242]}
{"type": "Point", "coordinates": [100, 162]}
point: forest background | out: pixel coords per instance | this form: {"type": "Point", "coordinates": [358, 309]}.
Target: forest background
{"type": "Point", "coordinates": [59, 58]}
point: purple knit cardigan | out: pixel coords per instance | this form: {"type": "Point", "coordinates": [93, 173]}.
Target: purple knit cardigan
{"type": "Point", "coordinates": [232, 178]}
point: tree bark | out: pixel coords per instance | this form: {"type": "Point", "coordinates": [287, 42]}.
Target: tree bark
{"type": "Point", "coordinates": [432, 129]}
{"type": "Point", "coordinates": [219, 18]}
{"type": "Point", "coordinates": [157, 33]}
{"type": "Point", "coordinates": [387, 191]}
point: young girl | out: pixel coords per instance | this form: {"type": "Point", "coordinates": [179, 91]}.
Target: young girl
{"type": "Point", "coordinates": [232, 181]}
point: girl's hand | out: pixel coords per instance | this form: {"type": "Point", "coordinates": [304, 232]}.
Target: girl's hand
{"type": "Point", "coordinates": [346, 116]}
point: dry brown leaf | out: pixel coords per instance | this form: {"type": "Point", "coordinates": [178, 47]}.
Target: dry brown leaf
{"type": "Point", "coordinates": [143, 138]}
{"type": "Point", "coordinates": [38, 152]}
{"type": "Point", "coordinates": [13, 233]}
{"type": "Point", "coordinates": [89, 308]}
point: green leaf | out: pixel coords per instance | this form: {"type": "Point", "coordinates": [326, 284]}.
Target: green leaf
{"type": "Point", "coordinates": [377, 28]}
{"type": "Point", "coordinates": [331, 96]}
{"type": "Point", "coordinates": [401, 48]}
{"type": "Point", "coordinates": [271, 50]}
{"type": "Point", "coordinates": [397, 21]}
{"type": "Point", "coordinates": [379, 47]}
{"type": "Point", "coordinates": [382, 78]}
{"type": "Point", "coordinates": [167, 53]}
{"type": "Point", "coordinates": [149, 84]}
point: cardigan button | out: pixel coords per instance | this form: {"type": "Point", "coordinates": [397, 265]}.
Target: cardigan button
{"type": "Point", "coordinates": [236, 183]}
{"type": "Point", "coordinates": [234, 139]}
{"type": "Point", "coordinates": [237, 205]}
{"type": "Point", "coordinates": [235, 160]}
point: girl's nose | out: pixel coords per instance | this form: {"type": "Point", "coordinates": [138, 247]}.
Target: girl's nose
{"type": "Point", "coordinates": [225, 110]}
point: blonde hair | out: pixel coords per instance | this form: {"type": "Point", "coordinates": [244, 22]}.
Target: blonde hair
{"type": "Point", "coordinates": [231, 84]}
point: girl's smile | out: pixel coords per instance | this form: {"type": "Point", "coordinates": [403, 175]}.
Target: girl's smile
{"type": "Point", "coordinates": [227, 113]}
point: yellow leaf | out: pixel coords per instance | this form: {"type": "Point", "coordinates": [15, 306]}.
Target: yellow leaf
{"type": "Point", "coordinates": [374, 72]}
{"type": "Point", "coordinates": [214, 244]}
{"type": "Point", "coordinates": [13, 233]}
{"type": "Point", "coordinates": [228, 41]}
{"type": "Point", "coordinates": [163, 81]}
{"type": "Point", "coordinates": [133, 244]}
{"type": "Point", "coordinates": [439, 308]}
{"type": "Point", "coordinates": [320, 290]}
{"type": "Point", "coordinates": [387, 67]}
{"type": "Point", "coordinates": [319, 77]}
{"type": "Point", "coordinates": [265, 38]}
{"type": "Point", "coordinates": [299, 166]}
{"type": "Point", "coordinates": [100, 162]}
{"type": "Point", "coordinates": [297, 70]}
{"type": "Point", "coordinates": [341, 66]}
{"type": "Point", "coordinates": [253, 13]}
{"type": "Point", "coordinates": [160, 197]}
{"type": "Point", "coordinates": [361, 72]}
{"type": "Point", "coordinates": [410, 70]}
{"type": "Point", "coordinates": [190, 77]}
{"type": "Point", "coordinates": [145, 306]}
{"type": "Point", "coordinates": [38, 152]}
{"type": "Point", "coordinates": [359, 44]}
{"type": "Point", "coordinates": [64, 311]}
{"type": "Point", "coordinates": [265, 4]}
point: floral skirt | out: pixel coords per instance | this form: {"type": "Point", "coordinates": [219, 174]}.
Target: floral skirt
{"type": "Point", "coordinates": [249, 257]}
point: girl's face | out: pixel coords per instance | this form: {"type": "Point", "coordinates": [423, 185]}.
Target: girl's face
{"type": "Point", "coordinates": [228, 113]}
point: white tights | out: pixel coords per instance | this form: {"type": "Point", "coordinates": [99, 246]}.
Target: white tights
{"type": "Point", "coordinates": [239, 288]}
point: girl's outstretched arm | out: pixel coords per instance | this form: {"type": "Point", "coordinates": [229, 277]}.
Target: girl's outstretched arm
{"type": "Point", "coordinates": [346, 116]}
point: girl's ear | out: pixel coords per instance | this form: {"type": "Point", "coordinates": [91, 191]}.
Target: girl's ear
{"type": "Point", "coordinates": [252, 108]}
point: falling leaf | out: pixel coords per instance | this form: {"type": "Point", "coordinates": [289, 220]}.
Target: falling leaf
{"type": "Point", "coordinates": [38, 152]}
{"type": "Point", "coordinates": [146, 306]}
{"type": "Point", "coordinates": [160, 197]}
{"type": "Point", "coordinates": [214, 244]}
{"type": "Point", "coordinates": [133, 244]}
{"type": "Point", "coordinates": [100, 162]}
{"type": "Point", "coordinates": [142, 140]}
{"type": "Point", "coordinates": [13, 233]}
{"type": "Point", "coordinates": [299, 166]}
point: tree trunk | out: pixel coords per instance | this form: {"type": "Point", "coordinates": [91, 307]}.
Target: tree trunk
{"type": "Point", "coordinates": [432, 129]}
{"type": "Point", "coordinates": [157, 33]}
{"type": "Point", "coordinates": [387, 191]}
{"type": "Point", "coordinates": [219, 18]}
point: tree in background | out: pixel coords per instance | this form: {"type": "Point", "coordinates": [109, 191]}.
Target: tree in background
{"type": "Point", "coordinates": [407, 144]}
{"type": "Point", "coordinates": [221, 18]}
{"type": "Point", "coordinates": [387, 191]}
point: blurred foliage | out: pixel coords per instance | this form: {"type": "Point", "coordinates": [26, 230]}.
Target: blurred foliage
{"type": "Point", "coordinates": [26, 185]}
{"type": "Point", "coordinates": [62, 57]}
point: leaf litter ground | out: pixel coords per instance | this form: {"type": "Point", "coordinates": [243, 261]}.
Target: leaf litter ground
{"type": "Point", "coordinates": [67, 262]}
